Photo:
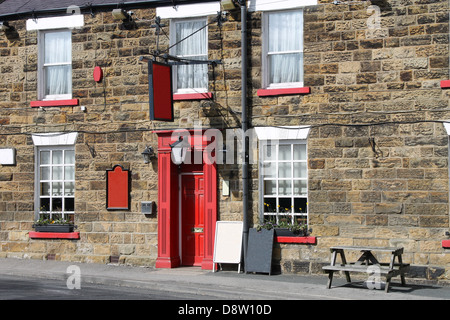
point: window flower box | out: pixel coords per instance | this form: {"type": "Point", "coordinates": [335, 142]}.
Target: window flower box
{"type": "Point", "coordinates": [57, 228]}
{"type": "Point", "coordinates": [285, 228]}
{"type": "Point", "coordinates": [286, 232]}
{"type": "Point", "coordinates": [60, 225]}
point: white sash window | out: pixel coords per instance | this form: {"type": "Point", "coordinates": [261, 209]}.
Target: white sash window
{"type": "Point", "coordinates": [191, 39]}
{"type": "Point", "coordinates": [283, 48]}
{"type": "Point", "coordinates": [284, 179]}
{"type": "Point", "coordinates": [56, 64]}
{"type": "Point", "coordinates": [55, 176]}
{"type": "Point", "coordinates": [55, 55]}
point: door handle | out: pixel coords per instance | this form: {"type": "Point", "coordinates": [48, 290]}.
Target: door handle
{"type": "Point", "coordinates": [197, 230]}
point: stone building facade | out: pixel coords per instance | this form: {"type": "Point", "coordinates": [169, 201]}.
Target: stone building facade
{"type": "Point", "coordinates": [369, 109]}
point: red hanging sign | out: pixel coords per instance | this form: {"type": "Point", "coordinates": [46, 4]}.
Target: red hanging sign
{"type": "Point", "coordinates": [117, 188]}
{"type": "Point", "coordinates": [160, 91]}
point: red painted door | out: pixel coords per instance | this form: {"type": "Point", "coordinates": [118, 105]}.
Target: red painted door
{"type": "Point", "coordinates": [192, 219]}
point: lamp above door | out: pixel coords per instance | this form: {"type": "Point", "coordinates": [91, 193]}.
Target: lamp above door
{"type": "Point", "coordinates": [179, 151]}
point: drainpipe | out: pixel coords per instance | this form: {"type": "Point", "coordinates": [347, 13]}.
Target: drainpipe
{"type": "Point", "coordinates": [244, 124]}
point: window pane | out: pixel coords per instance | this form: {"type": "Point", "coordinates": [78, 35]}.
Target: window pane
{"type": "Point", "coordinates": [45, 189]}
{"type": "Point", "coordinates": [57, 173]}
{"type": "Point", "coordinates": [269, 169]}
{"type": "Point", "coordinates": [69, 204]}
{"type": "Point", "coordinates": [57, 204]}
{"type": "Point", "coordinates": [45, 173]}
{"type": "Point", "coordinates": [58, 47]}
{"type": "Point", "coordinates": [45, 204]}
{"type": "Point", "coordinates": [192, 76]}
{"type": "Point", "coordinates": [270, 205]}
{"type": "Point", "coordinates": [69, 189]}
{"type": "Point", "coordinates": [285, 31]}
{"type": "Point", "coordinates": [194, 44]}
{"type": "Point", "coordinates": [301, 219]}
{"type": "Point", "coordinates": [284, 169]}
{"type": "Point", "coordinates": [69, 173]}
{"type": "Point", "coordinates": [300, 187]}
{"type": "Point", "coordinates": [300, 205]}
{"type": "Point", "coordinates": [300, 170]}
{"type": "Point", "coordinates": [270, 187]}
{"type": "Point", "coordinates": [57, 189]}
{"type": "Point", "coordinates": [57, 157]}
{"type": "Point", "coordinates": [284, 152]}
{"type": "Point", "coordinates": [70, 217]}
{"type": "Point", "coordinates": [285, 68]}
{"type": "Point", "coordinates": [58, 80]}
{"type": "Point", "coordinates": [45, 157]}
{"type": "Point", "coordinates": [284, 187]}
{"type": "Point", "coordinates": [299, 151]}
{"type": "Point", "coordinates": [69, 157]}
{"type": "Point", "coordinates": [285, 205]}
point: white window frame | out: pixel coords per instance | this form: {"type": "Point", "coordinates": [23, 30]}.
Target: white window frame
{"type": "Point", "coordinates": [173, 23]}
{"type": "Point", "coordinates": [53, 142]}
{"type": "Point", "coordinates": [72, 21]}
{"type": "Point", "coordinates": [280, 211]}
{"type": "Point", "coordinates": [42, 82]}
{"type": "Point", "coordinates": [188, 10]}
{"type": "Point", "coordinates": [52, 196]}
{"type": "Point", "coordinates": [265, 54]}
{"type": "Point", "coordinates": [447, 129]}
{"type": "Point", "coordinates": [265, 5]}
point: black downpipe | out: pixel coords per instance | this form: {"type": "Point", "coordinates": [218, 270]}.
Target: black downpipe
{"type": "Point", "coordinates": [244, 125]}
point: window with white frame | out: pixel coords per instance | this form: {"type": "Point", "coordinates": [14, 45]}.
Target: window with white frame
{"type": "Point", "coordinates": [283, 49]}
{"type": "Point", "coordinates": [55, 64]}
{"type": "Point", "coordinates": [190, 41]}
{"type": "Point", "coordinates": [56, 177]}
{"type": "Point", "coordinates": [284, 180]}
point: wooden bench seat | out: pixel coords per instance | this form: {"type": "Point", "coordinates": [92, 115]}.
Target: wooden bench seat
{"type": "Point", "coordinates": [383, 269]}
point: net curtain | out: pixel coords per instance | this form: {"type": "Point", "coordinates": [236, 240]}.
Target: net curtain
{"type": "Point", "coordinates": [57, 63]}
{"type": "Point", "coordinates": [285, 46]}
{"type": "Point", "coordinates": [194, 47]}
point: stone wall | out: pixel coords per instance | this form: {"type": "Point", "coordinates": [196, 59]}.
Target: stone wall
{"type": "Point", "coordinates": [114, 129]}
{"type": "Point", "coordinates": [378, 152]}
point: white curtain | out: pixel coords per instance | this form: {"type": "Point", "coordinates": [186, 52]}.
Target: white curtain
{"type": "Point", "coordinates": [194, 47]}
{"type": "Point", "coordinates": [57, 62]}
{"type": "Point", "coordinates": [285, 46]}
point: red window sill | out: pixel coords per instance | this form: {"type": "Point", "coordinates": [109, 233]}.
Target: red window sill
{"type": "Point", "coordinates": [445, 84]}
{"type": "Point", "coordinates": [192, 96]}
{"type": "Point", "coordinates": [280, 92]}
{"type": "Point", "coordinates": [54, 103]}
{"type": "Point", "coordinates": [446, 244]}
{"type": "Point", "coordinates": [308, 240]}
{"type": "Point", "coordinates": [54, 235]}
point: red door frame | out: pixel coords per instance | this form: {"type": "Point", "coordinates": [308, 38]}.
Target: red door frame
{"type": "Point", "coordinates": [168, 197]}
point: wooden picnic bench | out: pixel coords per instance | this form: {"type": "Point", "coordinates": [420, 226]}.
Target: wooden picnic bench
{"type": "Point", "coordinates": [368, 263]}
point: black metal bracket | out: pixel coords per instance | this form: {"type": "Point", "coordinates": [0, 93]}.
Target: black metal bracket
{"type": "Point", "coordinates": [176, 61]}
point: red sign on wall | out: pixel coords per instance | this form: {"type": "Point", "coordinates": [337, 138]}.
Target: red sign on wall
{"type": "Point", "coordinates": [160, 91]}
{"type": "Point", "coordinates": [117, 188]}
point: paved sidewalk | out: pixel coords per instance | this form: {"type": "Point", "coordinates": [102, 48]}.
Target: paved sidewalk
{"type": "Point", "coordinates": [227, 285]}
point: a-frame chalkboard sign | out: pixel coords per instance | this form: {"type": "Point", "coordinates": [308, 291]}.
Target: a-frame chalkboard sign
{"type": "Point", "coordinates": [259, 251]}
